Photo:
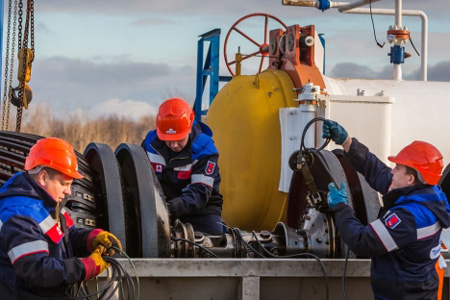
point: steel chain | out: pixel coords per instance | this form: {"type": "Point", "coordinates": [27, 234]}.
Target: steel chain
{"type": "Point", "coordinates": [11, 73]}
{"type": "Point", "coordinates": [32, 24]}
{"type": "Point", "coordinates": [5, 94]}
{"type": "Point", "coordinates": [21, 94]}
{"type": "Point", "coordinates": [19, 43]}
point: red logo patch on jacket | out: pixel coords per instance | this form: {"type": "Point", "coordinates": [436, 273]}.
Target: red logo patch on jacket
{"type": "Point", "coordinates": [392, 221]}
{"type": "Point", "coordinates": [184, 174]}
{"type": "Point", "coordinates": [157, 167]}
{"type": "Point", "coordinates": [210, 166]}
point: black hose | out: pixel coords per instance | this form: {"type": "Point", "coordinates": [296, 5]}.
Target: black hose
{"type": "Point", "coordinates": [120, 281]}
{"type": "Point", "coordinates": [302, 144]}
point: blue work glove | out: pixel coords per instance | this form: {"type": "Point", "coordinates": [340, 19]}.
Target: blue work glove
{"type": "Point", "coordinates": [332, 129]}
{"type": "Point", "coordinates": [336, 196]}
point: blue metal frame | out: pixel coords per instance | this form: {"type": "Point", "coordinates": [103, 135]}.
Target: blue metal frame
{"type": "Point", "coordinates": [210, 68]}
{"type": "Point", "coordinates": [322, 40]}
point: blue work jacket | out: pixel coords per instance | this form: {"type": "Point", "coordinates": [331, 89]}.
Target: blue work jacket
{"type": "Point", "coordinates": [404, 242]}
{"type": "Point", "coordinates": [190, 179]}
{"type": "Point", "coordinates": [36, 254]}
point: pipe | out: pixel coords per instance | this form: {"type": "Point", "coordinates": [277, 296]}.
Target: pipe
{"type": "Point", "coordinates": [397, 72]}
{"type": "Point", "coordinates": [411, 13]}
{"type": "Point", "coordinates": [308, 3]}
{"type": "Point", "coordinates": [342, 7]}
{"type": "Point", "coordinates": [349, 6]}
{"type": "Point", "coordinates": [398, 13]}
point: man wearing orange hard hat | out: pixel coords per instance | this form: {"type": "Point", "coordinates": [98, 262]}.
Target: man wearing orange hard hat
{"type": "Point", "coordinates": [184, 157]}
{"type": "Point", "coordinates": [38, 239]}
{"type": "Point", "coordinates": [404, 242]}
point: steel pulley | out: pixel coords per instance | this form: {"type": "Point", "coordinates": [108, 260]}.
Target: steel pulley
{"type": "Point", "coordinates": [146, 214]}
{"type": "Point", "coordinates": [19, 101]}
{"type": "Point", "coordinates": [110, 204]}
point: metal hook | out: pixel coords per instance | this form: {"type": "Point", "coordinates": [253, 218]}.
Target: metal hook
{"type": "Point", "coordinates": [27, 97]}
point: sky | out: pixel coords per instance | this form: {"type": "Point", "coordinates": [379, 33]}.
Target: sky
{"type": "Point", "coordinates": [126, 57]}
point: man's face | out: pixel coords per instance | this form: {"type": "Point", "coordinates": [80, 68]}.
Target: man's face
{"type": "Point", "coordinates": [177, 146]}
{"type": "Point", "coordinates": [400, 178]}
{"type": "Point", "coordinates": [58, 185]}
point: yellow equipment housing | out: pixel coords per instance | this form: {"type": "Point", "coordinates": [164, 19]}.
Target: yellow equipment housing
{"type": "Point", "coordinates": [244, 117]}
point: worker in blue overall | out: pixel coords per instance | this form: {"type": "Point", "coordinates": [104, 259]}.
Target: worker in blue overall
{"type": "Point", "coordinates": [38, 239]}
{"type": "Point", "coordinates": [404, 242]}
{"type": "Point", "coordinates": [184, 158]}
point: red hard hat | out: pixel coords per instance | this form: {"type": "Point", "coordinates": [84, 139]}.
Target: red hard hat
{"type": "Point", "coordinates": [56, 154]}
{"type": "Point", "coordinates": [424, 158]}
{"type": "Point", "coordinates": [174, 120]}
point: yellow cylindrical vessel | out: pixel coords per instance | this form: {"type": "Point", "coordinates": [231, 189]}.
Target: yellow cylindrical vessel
{"type": "Point", "coordinates": [244, 117]}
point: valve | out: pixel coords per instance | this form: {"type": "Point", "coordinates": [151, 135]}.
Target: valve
{"type": "Point", "coordinates": [399, 37]}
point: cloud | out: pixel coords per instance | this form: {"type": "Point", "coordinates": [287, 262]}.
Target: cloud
{"type": "Point", "coordinates": [178, 7]}
{"type": "Point", "coordinates": [68, 84]}
{"type": "Point", "coordinates": [127, 109]}
{"type": "Point", "coordinates": [434, 9]}
{"type": "Point", "coordinates": [90, 73]}
{"type": "Point", "coordinates": [352, 70]}
{"type": "Point", "coordinates": [437, 72]}
{"type": "Point", "coordinates": [150, 21]}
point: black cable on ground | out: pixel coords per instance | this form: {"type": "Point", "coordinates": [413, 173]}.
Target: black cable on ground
{"type": "Point", "coordinates": [119, 281]}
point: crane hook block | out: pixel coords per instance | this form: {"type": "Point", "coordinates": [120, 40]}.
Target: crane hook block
{"type": "Point", "coordinates": [26, 99]}
{"type": "Point", "coordinates": [28, 61]}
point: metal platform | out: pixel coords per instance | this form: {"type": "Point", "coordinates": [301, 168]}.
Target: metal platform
{"type": "Point", "coordinates": [252, 279]}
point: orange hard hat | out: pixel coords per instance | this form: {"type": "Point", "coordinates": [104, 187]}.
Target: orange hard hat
{"type": "Point", "coordinates": [422, 157]}
{"type": "Point", "coordinates": [174, 120]}
{"type": "Point", "coordinates": [54, 153]}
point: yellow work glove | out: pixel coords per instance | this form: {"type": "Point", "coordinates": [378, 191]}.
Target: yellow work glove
{"type": "Point", "coordinates": [107, 240]}
{"type": "Point", "coordinates": [94, 264]}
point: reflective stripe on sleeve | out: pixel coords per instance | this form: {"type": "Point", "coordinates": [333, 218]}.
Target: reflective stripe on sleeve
{"type": "Point", "coordinates": [47, 224]}
{"type": "Point", "coordinates": [199, 178]}
{"type": "Point", "coordinates": [384, 235]}
{"type": "Point", "coordinates": [27, 249]}
{"type": "Point", "coordinates": [187, 167]}
{"type": "Point", "coordinates": [157, 159]}
{"type": "Point", "coordinates": [69, 221]}
{"type": "Point", "coordinates": [428, 231]}
{"type": "Point", "coordinates": [1, 224]}
{"type": "Point", "coordinates": [50, 228]}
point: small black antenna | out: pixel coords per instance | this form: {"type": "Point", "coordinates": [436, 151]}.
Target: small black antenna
{"type": "Point", "coordinates": [373, 25]}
